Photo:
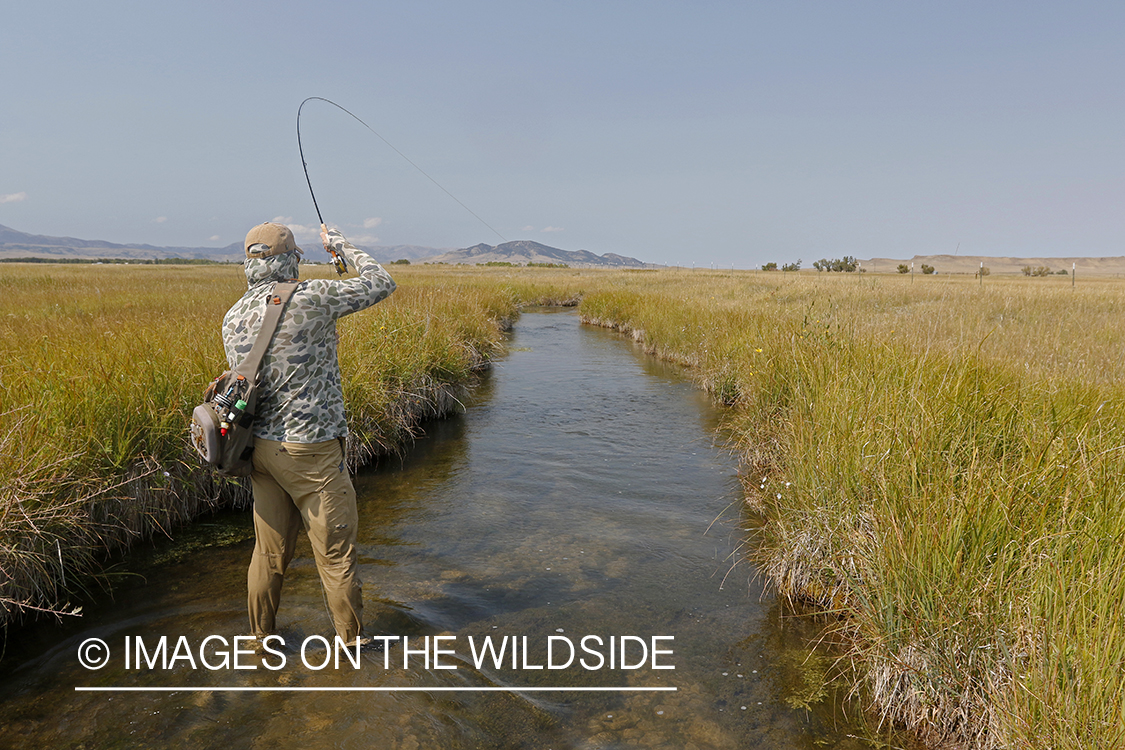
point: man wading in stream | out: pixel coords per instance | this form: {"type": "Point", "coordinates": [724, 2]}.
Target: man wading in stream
{"type": "Point", "coordinates": [300, 475]}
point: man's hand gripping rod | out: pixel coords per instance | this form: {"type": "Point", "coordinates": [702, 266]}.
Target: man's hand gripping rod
{"type": "Point", "coordinates": [338, 260]}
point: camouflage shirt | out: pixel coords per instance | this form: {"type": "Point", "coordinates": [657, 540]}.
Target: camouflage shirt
{"type": "Point", "coordinates": [300, 396]}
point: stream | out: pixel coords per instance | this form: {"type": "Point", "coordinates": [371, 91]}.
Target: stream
{"type": "Point", "coordinates": [583, 502]}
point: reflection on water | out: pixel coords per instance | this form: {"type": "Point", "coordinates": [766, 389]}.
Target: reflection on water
{"type": "Point", "coordinates": [579, 495]}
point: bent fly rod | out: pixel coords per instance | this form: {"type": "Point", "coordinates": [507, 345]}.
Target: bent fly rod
{"type": "Point", "coordinates": [337, 260]}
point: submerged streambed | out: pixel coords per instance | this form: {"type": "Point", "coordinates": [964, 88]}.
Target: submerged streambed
{"type": "Point", "coordinates": [581, 496]}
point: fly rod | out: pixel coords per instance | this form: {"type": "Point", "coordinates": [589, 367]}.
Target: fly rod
{"type": "Point", "coordinates": [337, 260]}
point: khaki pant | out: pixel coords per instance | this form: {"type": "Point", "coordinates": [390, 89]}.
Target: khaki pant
{"type": "Point", "coordinates": [295, 485]}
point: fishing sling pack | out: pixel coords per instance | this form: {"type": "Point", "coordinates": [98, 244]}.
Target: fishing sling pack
{"type": "Point", "coordinates": [222, 426]}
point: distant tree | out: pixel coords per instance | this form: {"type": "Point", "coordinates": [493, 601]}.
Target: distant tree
{"type": "Point", "coordinates": [1041, 271]}
{"type": "Point", "coordinates": [1062, 272]}
{"type": "Point", "coordinates": [847, 264]}
{"type": "Point", "coordinates": [771, 266]}
{"type": "Point", "coordinates": [400, 262]}
{"type": "Point", "coordinates": [903, 268]}
{"type": "Point", "coordinates": [982, 271]}
{"type": "Point", "coordinates": [791, 267]}
{"type": "Point", "coordinates": [927, 269]}
{"type": "Point", "coordinates": [1026, 270]}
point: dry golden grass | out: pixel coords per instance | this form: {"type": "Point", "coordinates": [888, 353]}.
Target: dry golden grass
{"type": "Point", "coordinates": [937, 463]}
{"type": "Point", "coordinates": [940, 464]}
{"type": "Point", "coordinates": [101, 365]}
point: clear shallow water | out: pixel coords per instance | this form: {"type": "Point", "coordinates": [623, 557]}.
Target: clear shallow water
{"type": "Point", "coordinates": [580, 494]}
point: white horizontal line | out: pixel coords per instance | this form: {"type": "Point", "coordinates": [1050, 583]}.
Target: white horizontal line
{"type": "Point", "coordinates": [192, 689]}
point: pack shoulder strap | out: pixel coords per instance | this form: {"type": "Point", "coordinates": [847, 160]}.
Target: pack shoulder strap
{"type": "Point", "coordinates": [280, 295]}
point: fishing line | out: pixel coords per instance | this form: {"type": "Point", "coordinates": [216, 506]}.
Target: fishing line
{"type": "Point", "coordinates": [305, 165]}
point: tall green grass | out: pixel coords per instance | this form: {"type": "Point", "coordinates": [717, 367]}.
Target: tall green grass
{"type": "Point", "coordinates": [939, 466]}
{"type": "Point", "coordinates": [100, 367]}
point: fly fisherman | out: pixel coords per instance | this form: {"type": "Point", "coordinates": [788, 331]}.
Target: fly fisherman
{"type": "Point", "coordinates": [300, 475]}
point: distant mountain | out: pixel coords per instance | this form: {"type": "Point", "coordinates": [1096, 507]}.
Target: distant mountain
{"type": "Point", "coordinates": [522, 252]}
{"type": "Point", "coordinates": [16, 244]}
{"type": "Point", "coordinates": [389, 253]}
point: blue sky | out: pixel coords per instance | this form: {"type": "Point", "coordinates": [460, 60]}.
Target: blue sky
{"type": "Point", "coordinates": [705, 132]}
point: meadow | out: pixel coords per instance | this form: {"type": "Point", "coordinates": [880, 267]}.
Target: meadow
{"type": "Point", "coordinates": [101, 365]}
{"type": "Point", "coordinates": [938, 468]}
{"type": "Point", "coordinates": [934, 468]}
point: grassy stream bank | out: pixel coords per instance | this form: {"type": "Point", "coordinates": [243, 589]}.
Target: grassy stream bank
{"type": "Point", "coordinates": [102, 366]}
{"type": "Point", "coordinates": [937, 465]}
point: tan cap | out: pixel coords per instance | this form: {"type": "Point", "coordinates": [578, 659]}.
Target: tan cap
{"type": "Point", "coordinates": [277, 237]}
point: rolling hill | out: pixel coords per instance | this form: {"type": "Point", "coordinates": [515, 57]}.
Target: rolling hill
{"type": "Point", "coordinates": [15, 244]}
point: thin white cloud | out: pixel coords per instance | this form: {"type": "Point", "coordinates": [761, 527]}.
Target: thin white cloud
{"type": "Point", "coordinates": [160, 219]}
{"type": "Point", "coordinates": [306, 234]}
{"type": "Point", "coordinates": [552, 229]}
{"type": "Point", "coordinates": [301, 232]}
{"type": "Point", "coordinates": [528, 228]}
{"type": "Point", "coordinates": [13, 197]}
{"type": "Point", "coordinates": [213, 238]}
{"type": "Point", "coordinates": [372, 223]}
